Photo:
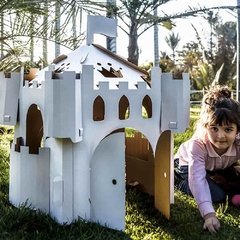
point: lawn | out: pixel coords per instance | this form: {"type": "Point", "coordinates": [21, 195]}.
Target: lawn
{"type": "Point", "coordinates": [143, 221]}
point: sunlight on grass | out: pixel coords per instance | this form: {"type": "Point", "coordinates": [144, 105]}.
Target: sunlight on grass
{"type": "Point", "coordinates": [143, 221]}
{"type": "Point", "coordinates": [195, 112]}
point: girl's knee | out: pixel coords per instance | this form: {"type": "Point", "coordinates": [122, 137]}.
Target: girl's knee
{"type": "Point", "coordinates": [219, 196]}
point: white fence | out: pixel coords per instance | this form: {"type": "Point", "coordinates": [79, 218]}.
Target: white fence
{"type": "Point", "coordinates": [197, 95]}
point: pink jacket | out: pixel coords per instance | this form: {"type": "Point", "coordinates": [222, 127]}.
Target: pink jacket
{"type": "Point", "coordinates": [200, 156]}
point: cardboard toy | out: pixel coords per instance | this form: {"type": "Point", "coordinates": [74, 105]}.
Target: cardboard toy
{"type": "Point", "coordinates": [68, 156]}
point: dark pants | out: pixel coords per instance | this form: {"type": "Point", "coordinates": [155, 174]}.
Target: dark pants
{"type": "Point", "coordinates": [221, 183]}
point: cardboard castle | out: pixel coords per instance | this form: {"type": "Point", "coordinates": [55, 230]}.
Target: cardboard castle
{"type": "Point", "coordinates": [70, 156]}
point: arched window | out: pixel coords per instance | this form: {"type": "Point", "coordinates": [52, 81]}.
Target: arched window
{"type": "Point", "coordinates": [34, 129]}
{"type": "Point", "coordinates": [98, 109]}
{"type": "Point", "coordinates": [147, 107]}
{"type": "Point", "coordinates": [123, 108]}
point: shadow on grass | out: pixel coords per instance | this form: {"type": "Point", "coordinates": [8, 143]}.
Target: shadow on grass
{"type": "Point", "coordinates": [26, 224]}
{"type": "Point", "coordinates": [145, 222]}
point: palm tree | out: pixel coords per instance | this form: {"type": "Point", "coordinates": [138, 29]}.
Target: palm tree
{"type": "Point", "coordinates": [172, 41]}
{"type": "Point", "coordinates": [137, 18]}
{"type": "Point", "coordinates": [16, 17]}
{"type": "Point", "coordinates": [212, 20]}
{"type": "Point", "coordinates": [19, 22]}
{"type": "Point", "coordinates": [23, 23]}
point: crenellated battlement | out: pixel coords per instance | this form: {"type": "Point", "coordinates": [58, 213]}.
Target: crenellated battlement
{"type": "Point", "coordinates": [64, 76]}
{"type": "Point", "coordinates": [122, 86]}
{"type": "Point", "coordinates": [33, 84]}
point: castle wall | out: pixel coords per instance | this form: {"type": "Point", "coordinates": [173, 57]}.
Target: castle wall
{"type": "Point", "coordinates": [9, 94]}
{"type": "Point", "coordinates": [75, 144]}
{"type": "Point", "coordinates": [61, 179]}
{"type": "Point", "coordinates": [149, 127]}
{"type": "Point", "coordinates": [30, 93]}
{"type": "Point", "coordinates": [175, 103]}
{"type": "Point", "coordinates": [29, 178]}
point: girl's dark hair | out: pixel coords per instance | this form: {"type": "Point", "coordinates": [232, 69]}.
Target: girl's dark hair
{"type": "Point", "coordinates": [219, 108]}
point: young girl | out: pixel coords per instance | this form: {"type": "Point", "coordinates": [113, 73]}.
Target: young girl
{"type": "Point", "coordinates": [207, 166]}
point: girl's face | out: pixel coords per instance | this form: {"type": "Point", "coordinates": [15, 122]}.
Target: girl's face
{"type": "Point", "coordinates": [221, 137]}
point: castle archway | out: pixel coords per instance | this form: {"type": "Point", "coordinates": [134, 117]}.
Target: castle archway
{"type": "Point", "coordinates": [112, 168]}
{"type": "Point", "coordinates": [34, 128]}
{"type": "Point", "coordinates": [107, 182]}
{"type": "Point", "coordinates": [98, 109]}
{"type": "Point", "coordinates": [139, 161]}
{"type": "Point", "coordinates": [124, 108]}
{"type": "Point", "coordinates": [147, 105]}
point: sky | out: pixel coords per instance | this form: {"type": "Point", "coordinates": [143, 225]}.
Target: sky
{"type": "Point", "coordinates": [183, 28]}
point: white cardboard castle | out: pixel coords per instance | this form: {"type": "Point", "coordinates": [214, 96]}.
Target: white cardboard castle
{"type": "Point", "coordinates": [68, 156]}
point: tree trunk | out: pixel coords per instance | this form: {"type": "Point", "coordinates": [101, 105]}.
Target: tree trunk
{"type": "Point", "coordinates": [45, 45]}
{"type": "Point", "coordinates": [155, 29]}
{"type": "Point", "coordinates": [133, 49]}
{"type": "Point", "coordinates": [31, 48]}
{"type": "Point", "coordinates": [57, 28]}
{"type": "Point", "coordinates": [111, 42]}
{"type": "Point", "coordinates": [238, 52]}
{"type": "Point", "coordinates": [74, 25]}
{"type": "Point", "coordinates": [1, 33]}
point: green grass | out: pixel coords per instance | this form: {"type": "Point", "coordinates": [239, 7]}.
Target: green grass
{"type": "Point", "coordinates": [143, 221]}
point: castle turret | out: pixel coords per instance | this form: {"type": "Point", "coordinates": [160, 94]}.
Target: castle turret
{"type": "Point", "coordinates": [63, 106]}
{"type": "Point", "coordinates": [9, 95]}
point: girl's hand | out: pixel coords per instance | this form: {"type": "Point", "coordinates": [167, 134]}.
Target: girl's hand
{"type": "Point", "coordinates": [211, 224]}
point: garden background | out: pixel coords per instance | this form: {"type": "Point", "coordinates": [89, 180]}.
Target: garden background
{"type": "Point", "coordinates": [28, 29]}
